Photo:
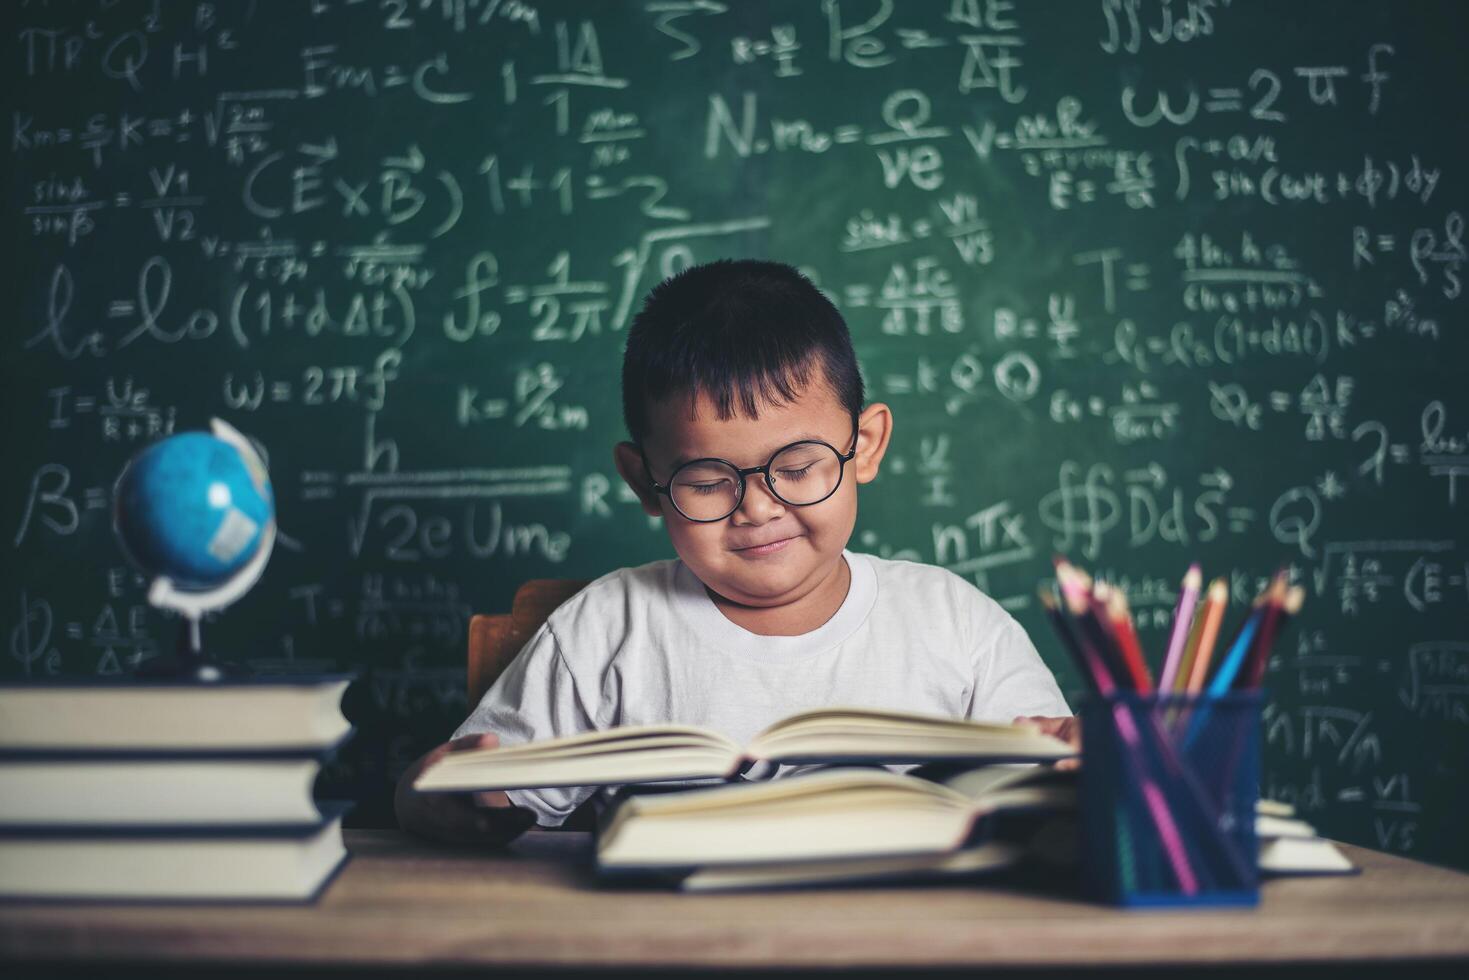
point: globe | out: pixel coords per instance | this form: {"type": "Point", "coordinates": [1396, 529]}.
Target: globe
{"type": "Point", "coordinates": [195, 512]}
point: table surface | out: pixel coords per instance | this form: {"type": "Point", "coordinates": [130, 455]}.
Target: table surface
{"type": "Point", "coordinates": [403, 901]}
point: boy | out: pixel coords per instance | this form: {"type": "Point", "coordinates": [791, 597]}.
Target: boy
{"type": "Point", "coordinates": [749, 437]}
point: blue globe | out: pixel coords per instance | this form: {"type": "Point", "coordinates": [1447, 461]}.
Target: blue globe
{"type": "Point", "coordinates": [193, 508]}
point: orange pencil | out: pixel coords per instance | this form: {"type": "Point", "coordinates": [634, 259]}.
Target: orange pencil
{"type": "Point", "coordinates": [1213, 617]}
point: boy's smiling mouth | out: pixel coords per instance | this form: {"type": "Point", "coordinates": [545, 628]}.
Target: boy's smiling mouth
{"type": "Point", "coordinates": [768, 547]}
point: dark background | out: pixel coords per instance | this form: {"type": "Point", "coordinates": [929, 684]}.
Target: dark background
{"type": "Point", "coordinates": [398, 244]}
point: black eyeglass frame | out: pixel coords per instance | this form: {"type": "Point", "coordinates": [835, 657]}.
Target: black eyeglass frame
{"type": "Point", "coordinates": [667, 489]}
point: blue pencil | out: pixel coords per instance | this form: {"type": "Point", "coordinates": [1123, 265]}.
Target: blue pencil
{"type": "Point", "coordinates": [1235, 659]}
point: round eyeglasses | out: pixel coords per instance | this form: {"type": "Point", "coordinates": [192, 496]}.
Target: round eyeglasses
{"type": "Point", "coordinates": [801, 474]}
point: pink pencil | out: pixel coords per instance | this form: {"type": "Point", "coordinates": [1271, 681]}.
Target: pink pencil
{"type": "Point", "coordinates": [1183, 618]}
{"type": "Point", "coordinates": [1158, 810]}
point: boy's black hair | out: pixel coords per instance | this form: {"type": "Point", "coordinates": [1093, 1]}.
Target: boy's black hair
{"type": "Point", "coordinates": [742, 332]}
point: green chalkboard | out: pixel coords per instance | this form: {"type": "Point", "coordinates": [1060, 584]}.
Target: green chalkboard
{"type": "Point", "coordinates": [1144, 282]}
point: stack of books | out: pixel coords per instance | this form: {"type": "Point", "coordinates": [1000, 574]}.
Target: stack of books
{"type": "Point", "coordinates": [169, 790]}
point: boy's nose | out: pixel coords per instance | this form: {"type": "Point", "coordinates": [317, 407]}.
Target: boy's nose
{"type": "Point", "coordinates": [759, 505]}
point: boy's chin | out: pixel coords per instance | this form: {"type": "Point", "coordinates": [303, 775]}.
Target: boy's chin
{"type": "Point", "coordinates": [765, 584]}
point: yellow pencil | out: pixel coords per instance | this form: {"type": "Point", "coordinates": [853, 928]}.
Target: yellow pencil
{"type": "Point", "coordinates": [1190, 647]}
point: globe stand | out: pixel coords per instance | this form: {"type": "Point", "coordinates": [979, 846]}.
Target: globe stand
{"type": "Point", "coordinates": [188, 661]}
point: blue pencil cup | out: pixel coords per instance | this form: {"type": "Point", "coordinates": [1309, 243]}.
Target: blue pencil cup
{"type": "Point", "coordinates": [1168, 790]}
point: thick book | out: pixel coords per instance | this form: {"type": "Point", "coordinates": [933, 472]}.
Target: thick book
{"type": "Point", "coordinates": [280, 863]}
{"type": "Point", "coordinates": [1050, 841]}
{"type": "Point", "coordinates": [166, 716]}
{"type": "Point", "coordinates": [1278, 857]}
{"type": "Point", "coordinates": [653, 753]}
{"type": "Point", "coordinates": [68, 789]}
{"type": "Point", "coordinates": [833, 813]}
{"type": "Point", "coordinates": [987, 858]}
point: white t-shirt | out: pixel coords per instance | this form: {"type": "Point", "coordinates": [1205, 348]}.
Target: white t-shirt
{"type": "Point", "coordinates": [646, 645]}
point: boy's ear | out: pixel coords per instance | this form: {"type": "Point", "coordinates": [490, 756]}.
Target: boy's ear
{"type": "Point", "coordinates": [874, 430]}
{"type": "Point", "coordinates": [630, 465]}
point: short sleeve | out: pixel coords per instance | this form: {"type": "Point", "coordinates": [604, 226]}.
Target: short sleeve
{"type": "Point", "coordinates": [1011, 679]}
{"type": "Point", "coordinates": [535, 699]}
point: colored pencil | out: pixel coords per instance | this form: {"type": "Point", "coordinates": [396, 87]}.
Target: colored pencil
{"type": "Point", "coordinates": [1122, 668]}
{"type": "Point", "coordinates": [1190, 647]}
{"type": "Point", "coordinates": [1157, 806]}
{"type": "Point", "coordinates": [1081, 606]}
{"type": "Point", "coordinates": [1121, 619]}
{"type": "Point", "coordinates": [1268, 606]}
{"type": "Point", "coordinates": [1234, 659]}
{"type": "Point", "coordinates": [1253, 670]}
{"type": "Point", "coordinates": [1295, 596]}
{"type": "Point", "coordinates": [1214, 605]}
{"type": "Point", "coordinates": [1183, 615]}
{"type": "Point", "coordinates": [1095, 625]}
{"type": "Point", "coordinates": [1090, 668]}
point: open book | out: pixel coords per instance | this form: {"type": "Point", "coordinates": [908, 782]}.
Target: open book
{"type": "Point", "coordinates": [653, 753]}
{"type": "Point", "coordinates": [836, 813]}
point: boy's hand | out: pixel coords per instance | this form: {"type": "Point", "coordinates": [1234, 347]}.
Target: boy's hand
{"type": "Point", "coordinates": [458, 818]}
{"type": "Point", "coordinates": [1067, 729]}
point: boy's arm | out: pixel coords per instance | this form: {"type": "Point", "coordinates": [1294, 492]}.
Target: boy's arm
{"type": "Point", "coordinates": [1011, 678]}
{"type": "Point", "coordinates": [1018, 686]}
{"type": "Point", "coordinates": [458, 818]}
{"type": "Point", "coordinates": [536, 698]}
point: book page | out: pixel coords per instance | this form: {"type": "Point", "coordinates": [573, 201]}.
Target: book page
{"type": "Point", "coordinates": [848, 717]}
{"type": "Point", "coordinates": [608, 740]}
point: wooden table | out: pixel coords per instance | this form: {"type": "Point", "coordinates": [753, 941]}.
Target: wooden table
{"type": "Point", "coordinates": [405, 903]}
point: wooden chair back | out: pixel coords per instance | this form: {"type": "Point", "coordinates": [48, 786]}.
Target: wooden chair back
{"type": "Point", "coordinates": [494, 640]}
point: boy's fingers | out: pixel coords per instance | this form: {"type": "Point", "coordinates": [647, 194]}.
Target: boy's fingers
{"type": "Point", "coordinates": [480, 740]}
{"type": "Point", "coordinates": [1066, 729]}
{"type": "Point", "coordinates": [1063, 728]}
